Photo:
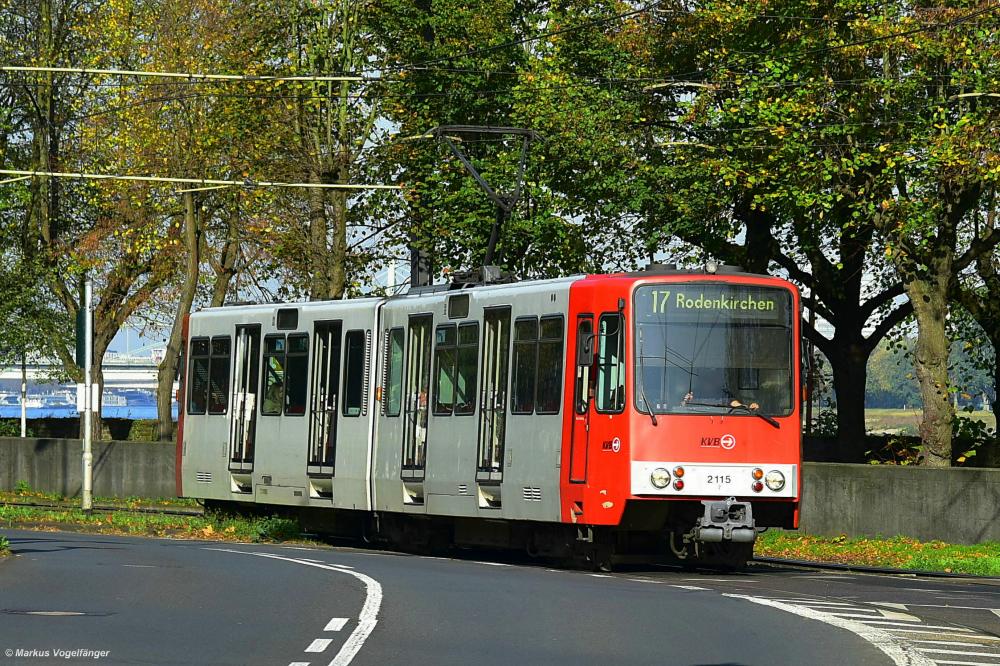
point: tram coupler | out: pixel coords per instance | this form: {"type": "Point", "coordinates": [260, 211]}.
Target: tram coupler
{"type": "Point", "coordinates": [725, 520]}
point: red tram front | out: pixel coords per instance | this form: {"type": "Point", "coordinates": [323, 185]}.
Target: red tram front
{"type": "Point", "coordinates": [685, 388]}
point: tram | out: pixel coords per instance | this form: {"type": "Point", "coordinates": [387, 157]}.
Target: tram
{"type": "Point", "coordinates": [599, 417]}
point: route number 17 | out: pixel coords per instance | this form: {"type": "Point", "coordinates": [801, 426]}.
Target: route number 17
{"type": "Point", "coordinates": [660, 301]}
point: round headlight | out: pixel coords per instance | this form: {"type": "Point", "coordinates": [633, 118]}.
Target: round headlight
{"type": "Point", "coordinates": [775, 480]}
{"type": "Point", "coordinates": [659, 477]}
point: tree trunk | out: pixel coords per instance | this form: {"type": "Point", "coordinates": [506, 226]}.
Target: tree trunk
{"type": "Point", "coordinates": [319, 285]}
{"type": "Point", "coordinates": [930, 305]}
{"type": "Point", "coordinates": [167, 371]}
{"type": "Point", "coordinates": [850, 374]}
{"type": "Point", "coordinates": [227, 263]}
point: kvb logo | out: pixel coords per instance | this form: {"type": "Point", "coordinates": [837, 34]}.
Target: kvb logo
{"type": "Point", "coordinates": [728, 442]}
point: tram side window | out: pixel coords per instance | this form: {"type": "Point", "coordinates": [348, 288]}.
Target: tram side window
{"type": "Point", "coordinates": [611, 364]}
{"type": "Point", "coordinates": [273, 381]}
{"type": "Point", "coordinates": [522, 400]}
{"type": "Point", "coordinates": [296, 374]}
{"type": "Point", "coordinates": [394, 376]}
{"type": "Point", "coordinates": [198, 376]}
{"type": "Point", "coordinates": [354, 372]}
{"type": "Point", "coordinates": [548, 389]}
{"type": "Point", "coordinates": [445, 352]}
{"type": "Point", "coordinates": [218, 376]}
{"type": "Point", "coordinates": [467, 368]}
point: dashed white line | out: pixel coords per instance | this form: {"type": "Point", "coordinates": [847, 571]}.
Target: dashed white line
{"type": "Point", "coordinates": [601, 575]}
{"type": "Point", "coordinates": [811, 602]}
{"type": "Point", "coordinates": [493, 564]}
{"type": "Point", "coordinates": [336, 624]}
{"type": "Point", "coordinates": [319, 645]}
{"type": "Point", "coordinates": [368, 617]}
{"type": "Point", "coordinates": [689, 587]}
{"type": "Point", "coordinates": [900, 653]}
{"type": "Point", "coordinates": [299, 663]}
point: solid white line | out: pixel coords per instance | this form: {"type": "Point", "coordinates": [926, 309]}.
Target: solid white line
{"type": "Point", "coordinates": [900, 653]}
{"type": "Point", "coordinates": [971, 637]}
{"type": "Point", "coordinates": [493, 564]}
{"type": "Point", "coordinates": [689, 587]}
{"type": "Point", "coordinates": [854, 615]}
{"type": "Point", "coordinates": [959, 643]}
{"type": "Point", "coordinates": [299, 663]}
{"type": "Point", "coordinates": [368, 617]}
{"type": "Point", "coordinates": [967, 663]}
{"type": "Point", "coordinates": [923, 631]}
{"type": "Point", "coordinates": [336, 624]}
{"type": "Point", "coordinates": [600, 575]}
{"type": "Point", "coordinates": [319, 645]}
{"type": "Point", "coordinates": [893, 624]}
{"type": "Point", "coordinates": [961, 652]}
{"type": "Point", "coordinates": [811, 602]}
{"type": "Point", "coordinates": [140, 566]}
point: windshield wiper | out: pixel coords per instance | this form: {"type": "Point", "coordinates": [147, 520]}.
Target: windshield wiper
{"type": "Point", "coordinates": [736, 404]}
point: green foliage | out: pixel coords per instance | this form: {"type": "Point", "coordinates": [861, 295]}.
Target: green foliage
{"type": "Point", "coordinates": [971, 436]}
{"type": "Point", "coordinates": [22, 487]}
{"type": "Point", "coordinates": [275, 528]}
{"type": "Point", "coordinates": [4, 546]}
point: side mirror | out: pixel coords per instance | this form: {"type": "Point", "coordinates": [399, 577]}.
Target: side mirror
{"type": "Point", "coordinates": [585, 349]}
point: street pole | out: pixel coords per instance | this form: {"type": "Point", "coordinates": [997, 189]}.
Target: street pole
{"type": "Point", "coordinates": [24, 393]}
{"type": "Point", "coordinates": [88, 395]}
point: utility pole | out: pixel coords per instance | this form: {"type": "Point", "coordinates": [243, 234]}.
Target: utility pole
{"type": "Point", "coordinates": [88, 399]}
{"type": "Point", "coordinates": [24, 393]}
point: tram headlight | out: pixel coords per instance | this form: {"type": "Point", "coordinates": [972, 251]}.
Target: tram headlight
{"type": "Point", "coordinates": [775, 480]}
{"type": "Point", "coordinates": [659, 477]}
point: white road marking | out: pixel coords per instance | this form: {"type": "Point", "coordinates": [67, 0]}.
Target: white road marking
{"type": "Point", "coordinates": [959, 643]}
{"type": "Point", "coordinates": [900, 653]}
{"type": "Point", "coordinates": [299, 663]}
{"type": "Point", "coordinates": [995, 611]}
{"type": "Point", "coordinates": [811, 602]}
{"type": "Point", "coordinates": [336, 624]}
{"type": "Point", "coordinates": [689, 587]}
{"type": "Point", "coordinates": [140, 566]}
{"type": "Point", "coordinates": [892, 615]}
{"type": "Point", "coordinates": [600, 575]}
{"type": "Point", "coordinates": [893, 624]}
{"type": "Point", "coordinates": [846, 614]}
{"type": "Point", "coordinates": [966, 663]}
{"type": "Point", "coordinates": [306, 559]}
{"type": "Point", "coordinates": [298, 548]}
{"type": "Point", "coordinates": [368, 617]}
{"type": "Point", "coordinates": [723, 580]}
{"type": "Point", "coordinates": [923, 631]}
{"type": "Point", "coordinates": [55, 613]}
{"type": "Point", "coordinates": [319, 645]}
{"type": "Point", "coordinates": [493, 564]}
{"type": "Point", "coordinates": [961, 652]}
{"type": "Point", "coordinates": [901, 607]}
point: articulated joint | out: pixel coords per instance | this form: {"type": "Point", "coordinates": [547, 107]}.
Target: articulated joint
{"type": "Point", "coordinates": [726, 520]}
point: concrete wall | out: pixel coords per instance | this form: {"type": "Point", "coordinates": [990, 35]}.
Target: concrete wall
{"type": "Point", "coordinates": [121, 469]}
{"type": "Point", "coordinates": [955, 505]}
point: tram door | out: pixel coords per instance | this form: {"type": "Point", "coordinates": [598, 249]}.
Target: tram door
{"type": "Point", "coordinates": [418, 381]}
{"type": "Point", "coordinates": [582, 395]}
{"type": "Point", "coordinates": [243, 416]}
{"type": "Point", "coordinates": [323, 409]}
{"type": "Point", "coordinates": [493, 395]}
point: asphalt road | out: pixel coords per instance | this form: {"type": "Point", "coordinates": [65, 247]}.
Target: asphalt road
{"type": "Point", "coordinates": [157, 601]}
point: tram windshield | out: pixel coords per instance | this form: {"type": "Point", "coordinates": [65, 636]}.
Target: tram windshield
{"type": "Point", "coordinates": [713, 349]}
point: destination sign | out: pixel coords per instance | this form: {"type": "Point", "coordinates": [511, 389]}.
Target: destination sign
{"type": "Point", "coordinates": [695, 301]}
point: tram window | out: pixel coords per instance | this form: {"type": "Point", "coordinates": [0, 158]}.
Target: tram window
{"type": "Point", "coordinates": [522, 400]}
{"type": "Point", "coordinates": [354, 372]}
{"type": "Point", "coordinates": [548, 389]}
{"type": "Point", "coordinates": [218, 376]}
{"type": "Point", "coordinates": [296, 374]}
{"type": "Point", "coordinates": [445, 352]}
{"type": "Point", "coordinates": [584, 361]}
{"type": "Point", "coordinates": [466, 369]}
{"type": "Point", "coordinates": [198, 376]}
{"type": "Point", "coordinates": [394, 378]}
{"type": "Point", "coordinates": [610, 364]}
{"type": "Point", "coordinates": [273, 381]}
{"type": "Point", "coordinates": [458, 306]}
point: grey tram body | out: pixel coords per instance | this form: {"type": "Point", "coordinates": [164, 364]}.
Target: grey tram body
{"type": "Point", "coordinates": [487, 462]}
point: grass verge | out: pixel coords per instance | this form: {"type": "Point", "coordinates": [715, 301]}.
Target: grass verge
{"type": "Point", "coordinates": [215, 527]}
{"type": "Point", "coordinates": [897, 553]}
{"type": "Point", "coordinates": [24, 494]}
